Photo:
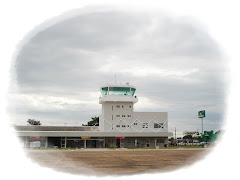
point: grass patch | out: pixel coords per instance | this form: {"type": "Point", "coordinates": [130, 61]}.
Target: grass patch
{"type": "Point", "coordinates": [54, 148]}
{"type": "Point", "coordinates": [171, 147]}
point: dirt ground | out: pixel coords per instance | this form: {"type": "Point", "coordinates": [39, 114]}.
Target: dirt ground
{"type": "Point", "coordinates": [116, 162]}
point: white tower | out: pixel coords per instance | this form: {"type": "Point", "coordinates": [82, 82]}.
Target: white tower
{"type": "Point", "coordinates": [118, 115]}
{"type": "Point", "coordinates": [117, 106]}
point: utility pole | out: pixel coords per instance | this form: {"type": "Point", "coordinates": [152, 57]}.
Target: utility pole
{"type": "Point", "coordinates": [175, 134]}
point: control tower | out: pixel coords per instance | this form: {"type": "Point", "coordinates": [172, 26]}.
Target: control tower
{"type": "Point", "coordinates": [118, 112]}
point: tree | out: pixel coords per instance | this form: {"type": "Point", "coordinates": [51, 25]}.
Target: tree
{"type": "Point", "coordinates": [33, 122]}
{"type": "Point", "coordinates": [187, 137]}
{"type": "Point", "coordinates": [193, 133]}
{"type": "Point", "coordinates": [93, 122]}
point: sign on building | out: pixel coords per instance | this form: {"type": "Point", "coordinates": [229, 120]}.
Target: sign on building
{"type": "Point", "coordinates": [85, 137]}
{"type": "Point", "coordinates": [120, 137]}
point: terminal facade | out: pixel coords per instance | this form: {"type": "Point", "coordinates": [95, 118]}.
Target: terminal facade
{"type": "Point", "coordinates": [118, 126]}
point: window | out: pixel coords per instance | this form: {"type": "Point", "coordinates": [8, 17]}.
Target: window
{"type": "Point", "coordinates": [129, 140]}
{"type": "Point", "coordinates": [133, 91]}
{"type": "Point", "coordinates": [130, 106]}
{"type": "Point", "coordinates": [122, 106]}
{"type": "Point", "coordinates": [134, 123]}
{"type": "Point", "coordinates": [127, 125]}
{"type": "Point", "coordinates": [112, 117]}
{"type": "Point", "coordinates": [118, 106]}
{"type": "Point", "coordinates": [123, 126]}
{"type": "Point", "coordinates": [117, 125]}
{"type": "Point", "coordinates": [120, 91]}
{"type": "Point", "coordinates": [158, 125]}
{"type": "Point", "coordinates": [112, 108]}
{"type": "Point", "coordinates": [123, 115]}
{"type": "Point", "coordinates": [105, 90]}
{"type": "Point", "coordinates": [160, 140]}
{"type": "Point", "coordinates": [129, 115]}
{"type": "Point", "coordinates": [117, 115]}
{"type": "Point", "coordinates": [145, 125]}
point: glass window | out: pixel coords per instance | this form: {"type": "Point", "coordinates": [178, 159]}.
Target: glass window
{"type": "Point", "coordinates": [119, 90]}
{"type": "Point", "coordinates": [123, 115]}
{"type": "Point", "coordinates": [133, 91]}
{"type": "Point", "coordinates": [123, 126]}
{"type": "Point", "coordinates": [145, 125]}
{"type": "Point", "coordinates": [129, 115]}
{"type": "Point", "coordinates": [117, 115]}
{"type": "Point", "coordinates": [105, 90]}
{"type": "Point", "coordinates": [161, 140]}
{"type": "Point", "coordinates": [158, 125]}
{"type": "Point", "coordinates": [118, 106]}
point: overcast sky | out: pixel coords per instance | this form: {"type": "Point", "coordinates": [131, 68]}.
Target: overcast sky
{"type": "Point", "coordinates": [173, 62]}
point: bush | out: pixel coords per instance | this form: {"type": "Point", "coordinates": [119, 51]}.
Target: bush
{"type": "Point", "coordinates": [112, 146]}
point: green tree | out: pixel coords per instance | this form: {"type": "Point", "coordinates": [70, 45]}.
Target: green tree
{"type": "Point", "coordinates": [93, 122]}
{"type": "Point", "coordinates": [187, 137]}
{"type": "Point", "coordinates": [192, 133]}
{"type": "Point", "coordinates": [33, 122]}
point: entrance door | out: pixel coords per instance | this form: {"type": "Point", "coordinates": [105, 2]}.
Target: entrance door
{"type": "Point", "coordinates": [121, 143]}
{"type": "Point", "coordinates": [148, 142]}
{"type": "Point", "coordinates": [118, 143]}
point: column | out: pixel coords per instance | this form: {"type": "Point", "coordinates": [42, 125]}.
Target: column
{"type": "Point", "coordinates": [85, 143]}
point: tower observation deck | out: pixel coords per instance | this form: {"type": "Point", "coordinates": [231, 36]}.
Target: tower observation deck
{"type": "Point", "coordinates": [118, 93]}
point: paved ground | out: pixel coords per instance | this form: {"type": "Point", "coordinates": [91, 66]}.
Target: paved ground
{"type": "Point", "coordinates": [116, 162]}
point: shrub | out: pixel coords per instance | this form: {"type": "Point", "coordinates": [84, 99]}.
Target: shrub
{"type": "Point", "coordinates": [112, 146]}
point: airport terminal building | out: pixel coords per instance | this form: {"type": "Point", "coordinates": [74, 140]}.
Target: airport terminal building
{"type": "Point", "coordinates": [118, 125]}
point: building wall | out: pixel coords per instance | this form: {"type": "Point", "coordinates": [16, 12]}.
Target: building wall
{"type": "Point", "coordinates": [134, 142]}
{"type": "Point", "coordinates": [116, 113]}
{"type": "Point", "coordinates": [120, 117]}
{"type": "Point", "coordinates": [150, 121]}
{"type": "Point", "coordinates": [28, 141]}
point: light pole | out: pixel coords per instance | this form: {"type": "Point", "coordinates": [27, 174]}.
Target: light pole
{"type": "Point", "coordinates": [201, 114]}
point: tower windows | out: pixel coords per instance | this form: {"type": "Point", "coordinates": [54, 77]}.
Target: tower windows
{"type": "Point", "coordinates": [117, 115]}
{"type": "Point", "coordinates": [118, 106]}
{"type": "Point", "coordinates": [123, 115]}
{"type": "Point", "coordinates": [145, 125]}
{"type": "Point", "coordinates": [129, 116]}
{"type": "Point", "coordinates": [158, 125]}
{"type": "Point", "coordinates": [134, 123]}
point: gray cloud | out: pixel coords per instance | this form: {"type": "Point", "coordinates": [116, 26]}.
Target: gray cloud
{"type": "Point", "coordinates": [175, 65]}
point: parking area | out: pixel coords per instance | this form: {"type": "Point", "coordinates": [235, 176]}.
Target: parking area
{"type": "Point", "coordinates": [116, 162]}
